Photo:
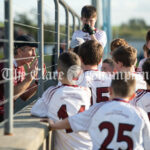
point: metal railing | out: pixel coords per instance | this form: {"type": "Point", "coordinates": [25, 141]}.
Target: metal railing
{"type": "Point", "coordinates": [107, 24]}
{"type": "Point", "coordinates": [104, 12]}
{"type": "Point", "coordinates": [8, 109]}
{"type": "Point", "coordinates": [40, 30]}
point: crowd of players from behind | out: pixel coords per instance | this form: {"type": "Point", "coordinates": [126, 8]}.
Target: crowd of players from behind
{"type": "Point", "coordinates": [108, 104]}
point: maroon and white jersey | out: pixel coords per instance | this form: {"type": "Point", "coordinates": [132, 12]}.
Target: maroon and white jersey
{"type": "Point", "coordinates": [60, 102]}
{"type": "Point", "coordinates": [100, 36]}
{"type": "Point", "coordinates": [99, 83]}
{"type": "Point", "coordinates": [114, 125]}
{"type": "Point", "coordinates": [142, 100]}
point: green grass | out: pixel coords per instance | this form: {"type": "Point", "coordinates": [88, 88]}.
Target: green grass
{"type": "Point", "coordinates": [128, 33]}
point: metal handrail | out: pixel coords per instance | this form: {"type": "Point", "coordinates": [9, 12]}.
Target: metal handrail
{"type": "Point", "coordinates": [9, 42]}
{"type": "Point", "coordinates": [40, 46]}
{"type": "Point", "coordinates": [8, 107]}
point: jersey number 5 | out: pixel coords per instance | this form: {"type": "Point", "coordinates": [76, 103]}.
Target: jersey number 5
{"type": "Point", "coordinates": [120, 138]}
{"type": "Point", "coordinates": [99, 93]}
{"type": "Point", "coordinates": [62, 114]}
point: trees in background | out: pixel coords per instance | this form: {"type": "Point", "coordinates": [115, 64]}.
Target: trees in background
{"type": "Point", "coordinates": [135, 29]}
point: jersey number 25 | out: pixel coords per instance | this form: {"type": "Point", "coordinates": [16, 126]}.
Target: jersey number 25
{"type": "Point", "coordinates": [120, 136]}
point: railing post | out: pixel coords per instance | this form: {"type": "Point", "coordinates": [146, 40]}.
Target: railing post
{"type": "Point", "coordinates": [79, 24]}
{"type": "Point", "coordinates": [9, 54]}
{"type": "Point", "coordinates": [74, 23]}
{"type": "Point", "coordinates": [40, 47]}
{"type": "Point", "coordinates": [57, 30]}
{"type": "Point", "coordinates": [67, 10]}
{"type": "Point", "coordinates": [67, 28]}
{"type": "Point", "coordinates": [107, 23]}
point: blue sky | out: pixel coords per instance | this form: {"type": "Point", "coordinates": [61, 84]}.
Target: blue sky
{"type": "Point", "coordinates": [121, 10]}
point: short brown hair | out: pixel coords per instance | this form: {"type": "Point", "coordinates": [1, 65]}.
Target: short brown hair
{"type": "Point", "coordinates": [110, 62]}
{"type": "Point", "coordinates": [117, 43]}
{"type": "Point", "coordinates": [76, 49]}
{"type": "Point", "coordinates": [125, 54]}
{"type": "Point", "coordinates": [146, 70]}
{"type": "Point", "coordinates": [91, 52]}
{"type": "Point", "coordinates": [148, 36]}
{"type": "Point", "coordinates": [88, 11]}
{"type": "Point", "coordinates": [123, 84]}
{"type": "Point", "coordinates": [67, 60]}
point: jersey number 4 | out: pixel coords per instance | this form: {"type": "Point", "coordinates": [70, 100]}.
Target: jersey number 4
{"type": "Point", "coordinates": [120, 138]}
{"type": "Point", "coordinates": [62, 114]}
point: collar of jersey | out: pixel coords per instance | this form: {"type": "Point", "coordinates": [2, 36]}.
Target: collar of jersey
{"type": "Point", "coordinates": [121, 100]}
{"type": "Point", "coordinates": [147, 90]}
{"type": "Point", "coordinates": [91, 70]}
{"type": "Point", "coordinates": [141, 90]}
{"type": "Point", "coordinates": [70, 85]}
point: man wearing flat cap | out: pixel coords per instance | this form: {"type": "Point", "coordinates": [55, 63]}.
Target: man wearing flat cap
{"type": "Point", "coordinates": [24, 84]}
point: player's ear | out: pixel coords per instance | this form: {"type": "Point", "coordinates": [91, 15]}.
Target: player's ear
{"type": "Point", "coordinates": [60, 75]}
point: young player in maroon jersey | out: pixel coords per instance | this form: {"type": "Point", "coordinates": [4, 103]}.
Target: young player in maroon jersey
{"type": "Point", "coordinates": [91, 53]}
{"type": "Point", "coordinates": [89, 32]}
{"type": "Point", "coordinates": [60, 102]}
